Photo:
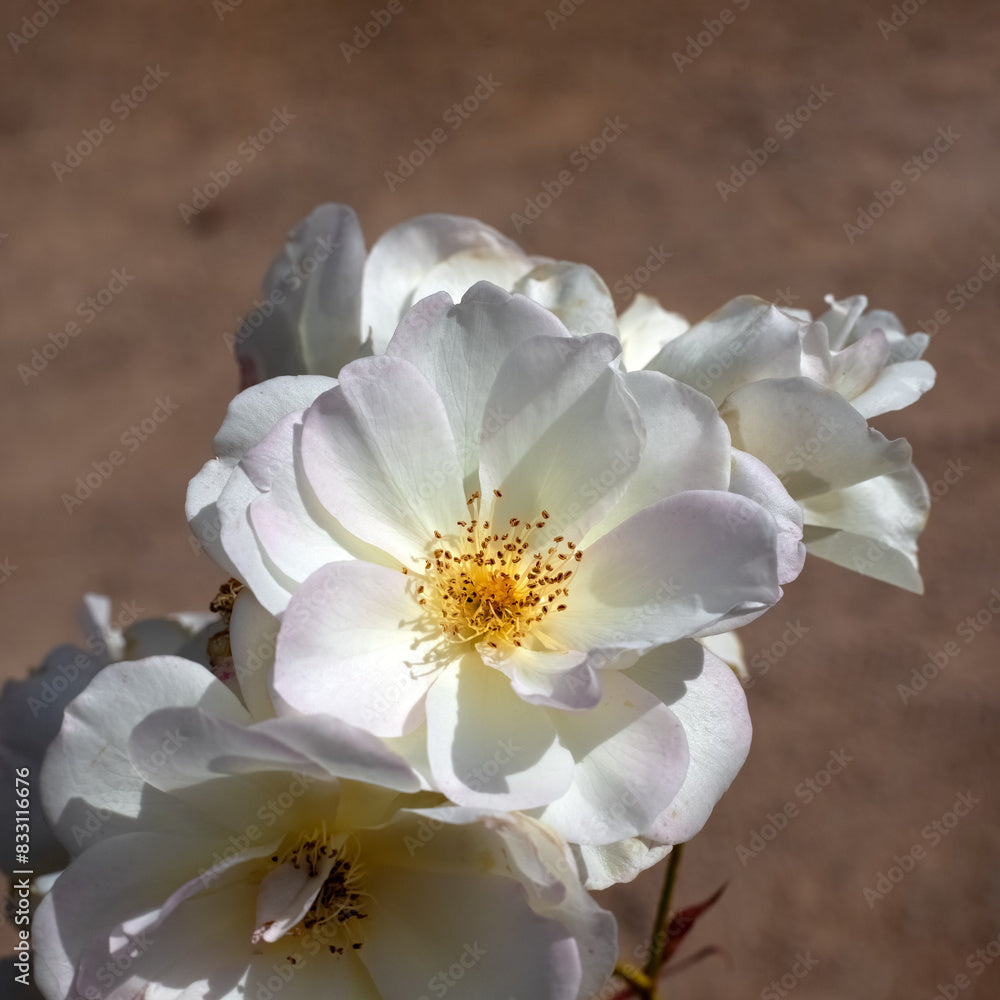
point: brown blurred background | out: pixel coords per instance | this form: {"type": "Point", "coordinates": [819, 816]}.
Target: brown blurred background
{"type": "Point", "coordinates": [886, 83]}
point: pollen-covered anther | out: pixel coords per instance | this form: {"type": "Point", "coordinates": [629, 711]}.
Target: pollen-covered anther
{"type": "Point", "coordinates": [339, 906]}
{"type": "Point", "coordinates": [497, 587]}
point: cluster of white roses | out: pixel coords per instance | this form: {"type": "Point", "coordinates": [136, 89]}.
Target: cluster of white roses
{"type": "Point", "coordinates": [484, 536]}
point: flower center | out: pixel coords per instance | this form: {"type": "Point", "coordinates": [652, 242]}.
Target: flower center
{"type": "Point", "coordinates": [496, 584]}
{"type": "Point", "coordinates": [319, 893]}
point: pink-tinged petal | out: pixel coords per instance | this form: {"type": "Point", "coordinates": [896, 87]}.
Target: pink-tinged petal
{"type": "Point", "coordinates": [705, 696]}
{"type": "Point", "coordinates": [565, 680]}
{"type": "Point", "coordinates": [810, 437]}
{"type": "Point", "coordinates": [380, 456]}
{"type": "Point", "coordinates": [746, 340]}
{"type": "Point", "coordinates": [486, 928]}
{"type": "Point", "coordinates": [687, 446]}
{"type": "Point", "coordinates": [401, 258]}
{"type": "Point", "coordinates": [351, 646]}
{"type": "Point", "coordinates": [489, 748]}
{"type": "Point", "coordinates": [644, 328]}
{"type": "Point", "coordinates": [631, 757]}
{"type": "Point", "coordinates": [568, 437]}
{"type": "Point", "coordinates": [89, 787]}
{"type": "Point", "coordinates": [246, 561]}
{"type": "Point", "coordinates": [753, 479]}
{"type": "Point", "coordinates": [575, 293]}
{"type": "Point", "coordinates": [872, 527]}
{"type": "Point", "coordinates": [249, 418]}
{"type": "Point", "coordinates": [461, 348]}
{"type": "Point", "coordinates": [311, 317]}
{"type": "Point", "coordinates": [689, 564]}
{"type": "Point", "coordinates": [294, 536]}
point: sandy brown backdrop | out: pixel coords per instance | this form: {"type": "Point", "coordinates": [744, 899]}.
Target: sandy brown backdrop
{"type": "Point", "coordinates": [209, 77]}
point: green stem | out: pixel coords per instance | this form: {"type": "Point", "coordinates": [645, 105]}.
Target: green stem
{"type": "Point", "coordinates": [658, 942]}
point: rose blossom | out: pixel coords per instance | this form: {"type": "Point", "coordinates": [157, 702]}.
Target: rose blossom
{"type": "Point", "coordinates": [292, 855]}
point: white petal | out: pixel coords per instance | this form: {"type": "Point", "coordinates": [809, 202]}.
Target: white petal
{"type": "Point", "coordinates": [461, 348]}
{"type": "Point", "coordinates": [728, 647]}
{"type": "Point", "coordinates": [348, 647]}
{"type": "Point", "coordinates": [611, 864]}
{"type": "Point", "coordinates": [401, 258]}
{"type": "Point", "coordinates": [380, 455]}
{"type": "Point", "coordinates": [897, 386]}
{"type": "Point", "coordinates": [310, 319]}
{"type": "Point", "coordinates": [178, 748]}
{"type": "Point", "coordinates": [111, 881]}
{"type": "Point", "coordinates": [872, 527]}
{"type": "Point", "coordinates": [253, 636]}
{"type": "Point", "coordinates": [573, 292]}
{"type": "Point", "coordinates": [456, 274]}
{"type": "Point", "coordinates": [708, 700]}
{"type": "Point", "coordinates": [841, 317]}
{"type": "Point", "coordinates": [644, 328]}
{"type": "Point", "coordinates": [744, 341]}
{"type": "Point", "coordinates": [426, 923]}
{"type": "Point", "coordinates": [689, 564]}
{"type": "Point", "coordinates": [89, 786]}
{"type": "Point", "coordinates": [489, 748]}
{"type": "Point", "coordinates": [565, 680]}
{"type": "Point", "coordinates": [250, 416]}
{"type": "Point", "coordinates": [810, 437]}
{"type": "Point", "coordinates": [631, 756]}
{"type": "Point", "coordinates": [687, 446]}
{"type": "Point", "coordinates": [295, 534]}
{"type": "Point", "coordinates": [752, 478]}
{"type": "Point", "coordinates": [570, 439]}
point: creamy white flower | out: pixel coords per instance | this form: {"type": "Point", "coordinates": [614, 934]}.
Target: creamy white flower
{"type": "Point", "coordinates": [292, 856]}
{"type": "Point", "coordinates": [31, 709]}
{"type": "Point", "coordinates": [471, 537]}
{"type": "Point", "coordinates": [326, 303]}
{"type": "Point", "coordinates": [797, 394]}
